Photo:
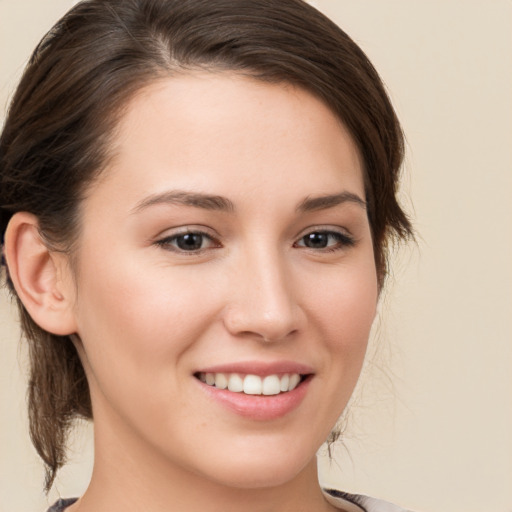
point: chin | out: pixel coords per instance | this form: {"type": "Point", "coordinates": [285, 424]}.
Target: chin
{"type": "Point", "coordinates": [247, 476]}
{"type": "Point", "coordinates": [260, 468]}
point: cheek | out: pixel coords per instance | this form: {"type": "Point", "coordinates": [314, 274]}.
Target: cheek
{"type": "Point", "coordinates": [346, 303]}
{"type": "Point", "coordinates": [133, 305]}
{"type": "Point", "coordinates": [136, 329]}
{"type": "Point", "coordinates": [344, 309]}
{"type": "Point", "coordinates": [341, 308]}
{"type": "Point", "coordinates": [136, 325]}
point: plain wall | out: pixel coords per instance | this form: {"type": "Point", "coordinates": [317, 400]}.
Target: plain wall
{"type": "Point", "coordinates": [432, 427]}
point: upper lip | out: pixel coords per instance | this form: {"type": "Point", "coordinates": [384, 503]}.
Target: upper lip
{"type": "Point", "coordinates": [259, 368]}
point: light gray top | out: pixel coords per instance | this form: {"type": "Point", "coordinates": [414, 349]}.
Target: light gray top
{"type": "Point", "coordinates": [360, 503]}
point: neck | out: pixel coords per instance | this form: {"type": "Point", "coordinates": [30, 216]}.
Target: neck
{"type": "Point", "coordinates": [129, 476]}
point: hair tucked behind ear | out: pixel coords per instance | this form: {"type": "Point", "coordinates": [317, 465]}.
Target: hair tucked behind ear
{"type": "Point", "coordinates": [56, 138]}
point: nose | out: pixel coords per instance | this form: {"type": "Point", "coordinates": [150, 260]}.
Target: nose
{"type": "Point", "coordinates": [263, 299]}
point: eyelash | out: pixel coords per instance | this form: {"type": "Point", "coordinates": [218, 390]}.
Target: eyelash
{"type": "Point", "coordinates": [343, 241]}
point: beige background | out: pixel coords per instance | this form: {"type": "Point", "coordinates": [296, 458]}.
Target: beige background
{"type": "Point", "coordinates": [432, 427]}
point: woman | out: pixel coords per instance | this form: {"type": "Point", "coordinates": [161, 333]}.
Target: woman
{"type": "Point", "coordinates": [197, 198]}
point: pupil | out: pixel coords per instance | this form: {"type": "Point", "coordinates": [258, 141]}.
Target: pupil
{"type": "Point", "coordinates": [316, 240]}
{"type": "Point", "coordinates": [190, 241]}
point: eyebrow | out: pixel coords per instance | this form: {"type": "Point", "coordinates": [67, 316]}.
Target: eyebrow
{"type": "Point", "coordinates": [180, 197]}
{"type": "Point", "coordinates": [311, 204]}
{"type": "Point", "coordinates": [220, 203]}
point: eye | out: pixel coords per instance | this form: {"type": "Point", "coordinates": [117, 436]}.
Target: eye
{"type": "Point", "coordinates": [190, 241]}
{"type": "Point", "coordinates": [325, 240]}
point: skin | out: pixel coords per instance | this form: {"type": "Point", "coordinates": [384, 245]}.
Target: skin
{"type": "Point", "coordinates": [148, 315]}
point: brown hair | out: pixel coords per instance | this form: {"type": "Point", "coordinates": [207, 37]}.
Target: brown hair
{"type": "Point", "coordinates": [81, 76]}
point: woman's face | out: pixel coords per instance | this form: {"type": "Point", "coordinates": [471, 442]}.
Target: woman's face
{"type": "Point", "coordinates": [226, 242]}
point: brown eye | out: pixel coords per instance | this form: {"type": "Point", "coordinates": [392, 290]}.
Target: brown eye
{"type": "Point", "coordinates": [330, 240]}
{"type": "Point", "coordinates": [192, 241]}
{"type": "Point", "coordinates": [316, 240]}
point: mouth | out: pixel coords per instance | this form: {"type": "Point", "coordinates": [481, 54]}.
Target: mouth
{"type": "Point", "coordinates": [251, 384]}
{"type": "Point", "coordinates": [260, 391]}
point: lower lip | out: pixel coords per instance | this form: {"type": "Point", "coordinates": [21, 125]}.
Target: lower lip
{"type": "Point", "coordinates": [259, 407]}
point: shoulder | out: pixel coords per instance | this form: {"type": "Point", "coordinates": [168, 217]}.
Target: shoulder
{"type": "Point", "coordinates": [60, 505]}
{"type": "Point", "coordinates": [360, 503]}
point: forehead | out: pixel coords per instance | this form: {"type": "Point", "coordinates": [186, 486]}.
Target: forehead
{"type": "Point", "coordinates": [218, 131]}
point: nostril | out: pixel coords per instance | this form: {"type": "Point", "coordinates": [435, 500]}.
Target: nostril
{"type": "Point", "coordinates": [267, 338]}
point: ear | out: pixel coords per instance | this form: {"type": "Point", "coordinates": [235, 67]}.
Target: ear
{"type": "Point", "coordinates": [41, 277]}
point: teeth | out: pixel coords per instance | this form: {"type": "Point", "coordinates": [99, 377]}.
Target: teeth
{"type": "Point", "coordinates": [272, 385]}
{"type": "Point", "coordinates": [285, 382]}
{"type": "Point", "coordinates": [221, 381]}
{"type": "Point", "coordinates": [252, 384]}
{"type": "Point", "coordinates": [294, 381]}
{"type": "Point", "coordinates": [235, 383]}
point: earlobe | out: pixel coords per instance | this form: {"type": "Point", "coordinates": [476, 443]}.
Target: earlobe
{"type": "Point", "coordinates": [40, 276]}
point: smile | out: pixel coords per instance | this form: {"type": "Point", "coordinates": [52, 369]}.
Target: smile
{"type": "Point", "coordinates": [250, 384]}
